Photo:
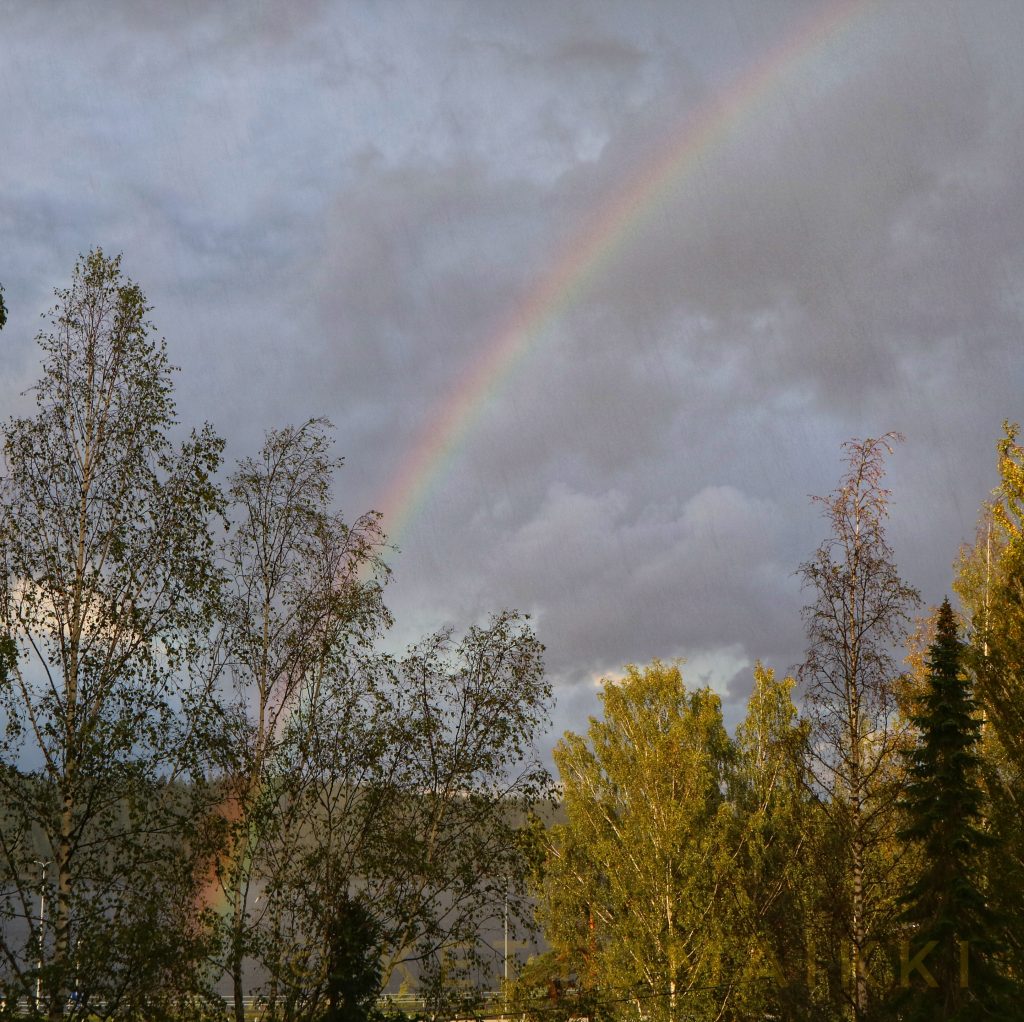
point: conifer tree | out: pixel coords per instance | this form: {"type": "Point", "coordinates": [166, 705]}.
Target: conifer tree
{"type": "Point", "coordinates": [954, 937]}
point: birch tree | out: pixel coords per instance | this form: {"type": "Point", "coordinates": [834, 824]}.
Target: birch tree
{"type": "Point", "coordinates": [407, 791]}
{"type": "Point", "coordinates": [990, 584]}
{"type": "Point", "coordinates": [772, 909]}
{"type": "Point", "coordinates": [634, 888]}
{"type": "Point", "coordinates": [296, 604]}
{"type": "Point", "coordinates": [855, 623]}
{"type": "Point", "coordinates": [107, 564]}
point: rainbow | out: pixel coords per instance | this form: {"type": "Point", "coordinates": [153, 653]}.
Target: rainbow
{"type": "Point", "coordinates": [580, 262]}
{"type": "Point", "coordinates": [590, 252]}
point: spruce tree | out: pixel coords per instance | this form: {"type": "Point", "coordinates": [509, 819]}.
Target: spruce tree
{"type": "Point", "coordinates": [957, 976]}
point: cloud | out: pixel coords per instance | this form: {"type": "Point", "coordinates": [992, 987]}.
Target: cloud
{"type": "Point", "coordinates": [614, 579]}
{"type": "Point", "coordinates": [334, 208]}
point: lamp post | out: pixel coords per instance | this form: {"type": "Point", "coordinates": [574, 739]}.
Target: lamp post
{"type": "Point", "coordinates": [43, 866]}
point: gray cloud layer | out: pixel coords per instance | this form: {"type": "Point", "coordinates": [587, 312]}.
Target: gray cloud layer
{"type": "Point", "coordinates": [333, 207]}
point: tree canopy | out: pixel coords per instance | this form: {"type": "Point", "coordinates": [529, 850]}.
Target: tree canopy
{"type": "Point", "coordinates": [944, 806]}
{"type": "Point", "coordinates": [219, 775]}
{"type": "Point", "coordinates": [196, 711]}
{"type": "Point", "coordinates": [106, 553]}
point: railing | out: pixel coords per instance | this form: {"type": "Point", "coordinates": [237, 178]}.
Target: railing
{"type": "Point", "coordinates": [489, 1006]}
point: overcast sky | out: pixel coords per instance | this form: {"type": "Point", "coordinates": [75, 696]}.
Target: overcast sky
{"type": "Point", "coordinates": [334, 207]}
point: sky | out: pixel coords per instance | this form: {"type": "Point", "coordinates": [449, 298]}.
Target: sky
{"type": "Point", "coordinates": [592, 292]}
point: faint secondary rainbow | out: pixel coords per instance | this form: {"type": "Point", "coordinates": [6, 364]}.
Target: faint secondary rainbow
{"type": "Point", "coordinates": [591, 251]}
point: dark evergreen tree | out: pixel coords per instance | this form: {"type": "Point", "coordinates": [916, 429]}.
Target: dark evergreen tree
{"type": "Point", "coordinates": [353, 940]}
{"type": "Point", "coordinates": [950, 966]}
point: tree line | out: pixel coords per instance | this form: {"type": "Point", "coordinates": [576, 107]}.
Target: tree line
{"type": "Point", "coordinates": [210, 770]}
{"type": "Point", "coordinates": [212, 774]}
{"type": "Point", "coordinates": [859, 857]}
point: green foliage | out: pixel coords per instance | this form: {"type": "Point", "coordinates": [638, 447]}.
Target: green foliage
{"type": "Point", "coordinates": [471, 776]}
{"type": "Point", "coordinates": [353, 962]}
{"type": "Point", "coordinates": [293, 608]}
{"type": "Point", "coordinates": [683, 883]}
{"type": "Point", "coordinates": [990, 584]}
{"type": "Point", "coordinates": [545, 990]}
{"type": "Point", "coordinates": [8, 657]}
{"type": "Point", "coordinates": [106, 569]}
{"type": "Point", "coordinates": [944, 808]}
{"type": "Point", "coordinates": [189, 721]}
{"type": "Point", "coordinates": [412, 782]}
{"type": "Point", "coordinates": [186, 721]}
{"type": "Point", "coordinates": [405, 780]}
{"type": "Point", "coordinates": [773, 893]}
{"type": "Point", "coordinates": [635, 882]}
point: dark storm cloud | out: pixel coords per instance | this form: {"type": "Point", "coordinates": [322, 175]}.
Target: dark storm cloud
{"type": "Point", "coordinates": [334, 208]}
